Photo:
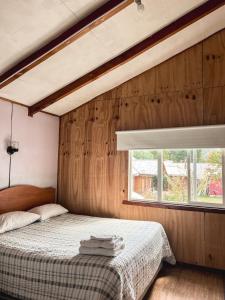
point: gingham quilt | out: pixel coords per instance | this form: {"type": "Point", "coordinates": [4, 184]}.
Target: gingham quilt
{"type": "Point", "coordinates": [41, 261]}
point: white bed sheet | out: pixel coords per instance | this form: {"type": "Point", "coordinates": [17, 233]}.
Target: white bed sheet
{"type": "Point", "coordinates": [41, 261]}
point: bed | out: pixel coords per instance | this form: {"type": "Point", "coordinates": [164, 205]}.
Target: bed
{"type": "Point", "coordinates": [41, 260]}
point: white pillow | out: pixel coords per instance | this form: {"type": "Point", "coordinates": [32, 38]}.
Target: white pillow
{"type": "Point", "coordinates": [16, 219]}
{"type": "Point", "coordinates": [49, 210]}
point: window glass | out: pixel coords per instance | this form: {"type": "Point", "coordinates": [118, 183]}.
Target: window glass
{"type": "Point", "coordinates": [175, 175]}
{"type": "Point", "coordinates": [144, 175]}
{"type": "Point", "coordinates": [181, 175]}
{"type": "Point", "coordinates": [206, 171]}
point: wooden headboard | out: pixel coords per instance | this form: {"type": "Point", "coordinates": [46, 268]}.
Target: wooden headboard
{"type": "Point", "coordinates": [24, 197]}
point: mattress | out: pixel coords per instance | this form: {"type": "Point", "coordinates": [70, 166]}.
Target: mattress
{"type": "Point", "coordinates": [42, 262]}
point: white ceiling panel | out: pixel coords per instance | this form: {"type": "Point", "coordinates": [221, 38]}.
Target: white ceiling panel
{"type": "Point", "coordinates": [106, 41]}
{"type": "Point", "coordinates": [130, 27]}
{"type": "Point", "coordinates": [177, 43]}
{"type": "Point", "coordinates": [26, 25]}
{"type": "Point", "coordinates": [26, 93]}
{"type": "Point", "coordinates": [81, 8]}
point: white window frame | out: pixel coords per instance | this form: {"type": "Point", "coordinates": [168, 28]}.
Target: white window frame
{"type": "Point", "coordinates": [190, 202]}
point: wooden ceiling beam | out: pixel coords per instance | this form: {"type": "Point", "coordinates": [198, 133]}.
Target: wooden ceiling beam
{"type": "Point", "coordinates": [101, 14]}
{"type": "Point", "coordinates": [169, 30]}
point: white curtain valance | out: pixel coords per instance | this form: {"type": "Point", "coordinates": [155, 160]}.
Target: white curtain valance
{"type": "Point", "coordinates": [212, 136]}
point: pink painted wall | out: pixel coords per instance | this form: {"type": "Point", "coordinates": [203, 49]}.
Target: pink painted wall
{"type": "Point", "coordinates": [5, 110]}
{"type": "Point", "coordinates": [37, 160]}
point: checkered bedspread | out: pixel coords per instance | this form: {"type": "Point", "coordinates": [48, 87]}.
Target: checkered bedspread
{"type": "Point", "coordinates": [41, 261]}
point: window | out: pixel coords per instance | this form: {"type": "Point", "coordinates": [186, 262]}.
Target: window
{"type": "Point", "coordinates": [188, 176]}
{"type": "Point", "coordinates": [175, 175]}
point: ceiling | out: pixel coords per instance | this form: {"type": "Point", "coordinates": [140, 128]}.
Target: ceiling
{"type": "Point", "coordinates": [27, 25]}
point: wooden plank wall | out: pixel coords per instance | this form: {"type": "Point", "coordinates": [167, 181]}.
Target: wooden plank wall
{"type": "Point", "coordinates": [186, 90]}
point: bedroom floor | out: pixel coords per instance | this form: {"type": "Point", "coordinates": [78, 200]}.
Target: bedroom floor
{"type": "Point", "coordinates": [183, 282]}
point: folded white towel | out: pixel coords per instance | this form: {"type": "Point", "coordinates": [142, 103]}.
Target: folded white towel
{"type": "Point", "coordinates": [107, 244]}
{"type": "Point", "coordinates": [100, 251]}
{"type": "Point", "coordinates": [106, 237]}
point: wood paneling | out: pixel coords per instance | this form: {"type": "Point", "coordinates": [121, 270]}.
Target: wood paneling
{"type": "Point", "coordinates": [180, 72]}
{"type": "Point", "coordinates": [187, 109]}
{"type": "Point", "coordinates": [214, 105]}
{"type": "Point", "coordinates": [186, 242]}
{"type": "Point", "coordinates": [214, 240]}
{"type": "Point", "coordinates": [214, 60]}
{"type": "Point", "coordinates": [142, 85]}
{"type": "Point", "coordinates": [93, 176]}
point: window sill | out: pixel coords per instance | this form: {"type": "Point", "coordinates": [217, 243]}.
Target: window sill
{"type": "Point", "coordinates": [164, 205]}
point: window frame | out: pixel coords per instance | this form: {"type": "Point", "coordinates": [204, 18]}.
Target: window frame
{"type": "Point", "coordinates": [190, 202]}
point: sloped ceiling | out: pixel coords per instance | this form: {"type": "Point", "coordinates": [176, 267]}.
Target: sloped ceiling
{"type": "Point", "coordinates": [27, 25]}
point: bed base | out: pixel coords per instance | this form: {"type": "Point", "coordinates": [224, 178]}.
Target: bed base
{"type": "Point", "coordinates": [151, 282]}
